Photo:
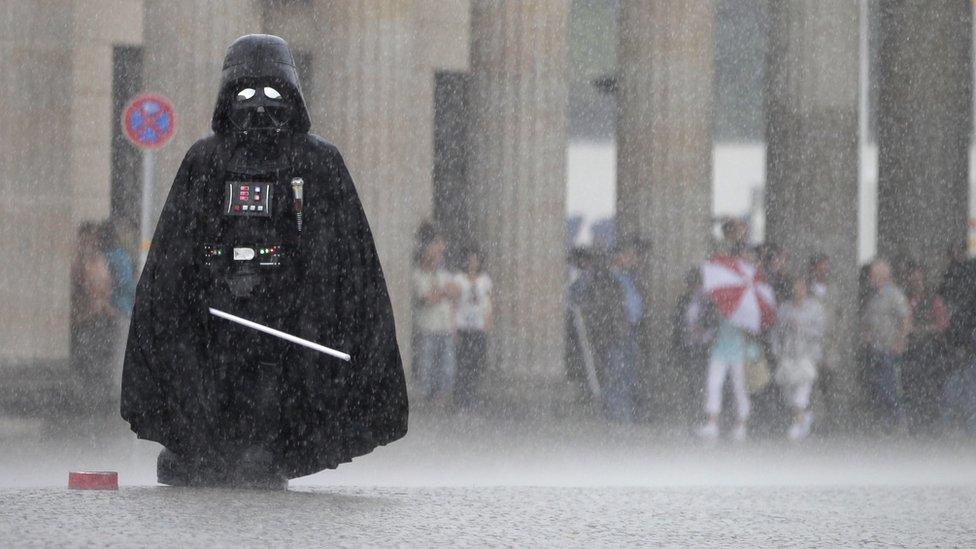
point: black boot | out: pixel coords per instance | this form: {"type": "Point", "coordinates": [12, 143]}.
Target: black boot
{"type": "Point", "coordinates": [178, 470]}
{"type": "Point", "coordinates": [171, 469]}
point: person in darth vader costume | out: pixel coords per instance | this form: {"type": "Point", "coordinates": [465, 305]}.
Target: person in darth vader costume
{"type": "Point", "coordinates": [262, 222]}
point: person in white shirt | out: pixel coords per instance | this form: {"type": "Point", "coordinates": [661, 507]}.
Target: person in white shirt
{"type": "Point", "coordinates": [434, 293]}
{"type": "Point", "coordinates": [797, 342]}
{"type": "Point", "coordinates": [473, 322]}
{"type": "Point", "coordinates": [829, 385]}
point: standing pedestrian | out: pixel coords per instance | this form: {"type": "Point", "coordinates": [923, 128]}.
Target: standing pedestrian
{"type": "Point", "coordinates": [925, 360]}
{"type": "Point", "coordinates": [885, 325]}
{"type": "Point", "coordinates": [473, 322]}
{"type": "Point", "coordinates": [773, 260]}
{"type": "Point", "coordinates": [120, 267]}
{"type": "Point", "coordinates": [735, 233]}
{"type": "Point", "coordinates": [821, 288]}
{"type": "Point", "coordinates": [615, 311]}
{"type": "Point", "coordinates": [797, 343]}
{"type": "Point", "coordinates": [957, 279]}
{"type": "Point", "coordinates": [434, 293]}
{"type": "Point", "coordinates": [123, 292]}
{"type": "Point", "coordinates": [956, 291]}
{"type": "Point", "coordinates": [579, 358]}
{"type": "Point", "coordinates": [692, 329]}
{"type": "Point", "coordinates": [92, 318]}
{"type": "Point", "coordinates": [959, 395]}
{"type": "Point", "coordinates": [731, 348]}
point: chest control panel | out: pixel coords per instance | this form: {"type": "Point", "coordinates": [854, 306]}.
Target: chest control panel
{"type": "Point", "coordinates": [248, 198]}
{"type": "Point", "coordinates": [264, 255]}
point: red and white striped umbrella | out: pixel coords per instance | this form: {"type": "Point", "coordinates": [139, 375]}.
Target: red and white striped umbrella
{"type": "Point", "coordinates": [739, 293]}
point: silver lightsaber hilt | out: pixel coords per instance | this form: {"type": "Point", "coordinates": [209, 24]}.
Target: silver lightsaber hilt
{"type": "Point", "coordinates": [296, 188]}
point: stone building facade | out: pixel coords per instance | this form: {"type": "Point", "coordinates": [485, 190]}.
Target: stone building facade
{"type": "Point", "coordinates": [370, 70]}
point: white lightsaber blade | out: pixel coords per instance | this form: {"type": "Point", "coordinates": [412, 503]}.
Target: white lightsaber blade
{"type": "Point", "coordinates": [282, 335]}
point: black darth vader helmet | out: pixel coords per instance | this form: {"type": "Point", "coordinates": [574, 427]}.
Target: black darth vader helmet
{"type": "Point", "coordinates": [259, 89]}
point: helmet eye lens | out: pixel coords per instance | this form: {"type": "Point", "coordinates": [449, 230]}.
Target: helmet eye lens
{"type": "Point", "coordinates": [259, 108]}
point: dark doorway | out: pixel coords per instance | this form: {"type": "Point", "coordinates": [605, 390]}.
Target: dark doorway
{"type": "Point", "coordinates": [450, 156]}
{"type": "Point", "coordinates": [126, 159]}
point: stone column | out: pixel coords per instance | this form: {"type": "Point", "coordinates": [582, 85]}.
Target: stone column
{"type": "Point", "coordinates": [55, 152]}
{"type": "Point", "coordinates": [517, 175]}
{"type": "Point", "coordinates": [924, 127]}
{"type": "Point", "coordinates": [664, 151]}
{"type": "Point", "coordinates": [812, 162]}
{"type": "Point", "coordinates": [37, 131]}
{"type": "Point", "coordinates": [371, 100]}
{"type": "Point", "coordinates": [184, 46]}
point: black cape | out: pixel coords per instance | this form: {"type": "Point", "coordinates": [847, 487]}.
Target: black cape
{"type": "Point", "coordinates": [331, 411]}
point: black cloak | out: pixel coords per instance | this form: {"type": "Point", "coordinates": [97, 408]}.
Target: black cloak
{"type": "Point", "coordinates": [332, 292]}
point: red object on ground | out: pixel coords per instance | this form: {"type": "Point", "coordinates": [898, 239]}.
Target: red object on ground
{"type": "Point", "coordinates": [93, 480]}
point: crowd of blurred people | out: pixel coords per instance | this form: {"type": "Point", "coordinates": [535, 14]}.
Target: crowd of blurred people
{"type": "Point", "coordinates": [909, 364]}
{"type": "Point", "coordinates": [912, 369]}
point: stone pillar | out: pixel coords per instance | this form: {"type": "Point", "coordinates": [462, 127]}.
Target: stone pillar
{"type": "Point", "coordinates": [371, 100]}
{"type": "Point", "coordinates": [55, 151]}
{"type": "Point", "coordinates": [184, 46]}
{"type": "Point", "coordinates": [37, 131]}
{"type": "Point", "coordinates": [98, 26]}
{"type": "Point", "coordinates": [924, 127]}
{"type": "Point", "coordinates": [812, 161]}
{"type": "Point", "coordinates": [664, 152]}
{"type": "Point", "coordinates": [517, 175]}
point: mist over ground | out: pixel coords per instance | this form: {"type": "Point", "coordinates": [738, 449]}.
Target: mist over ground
{"type": "Point", "coordinates": [472, 479]}
{"type": "Point", "coordinates": [475, 450]}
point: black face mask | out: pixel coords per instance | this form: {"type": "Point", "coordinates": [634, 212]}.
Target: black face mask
{"type": "Point", "coordinates": [260, 109]}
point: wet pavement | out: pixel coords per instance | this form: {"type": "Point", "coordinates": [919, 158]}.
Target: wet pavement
{"type": "Point", "coordinates": [473, 480]}
{"type": "Point", "coordinates": [521, 516]}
